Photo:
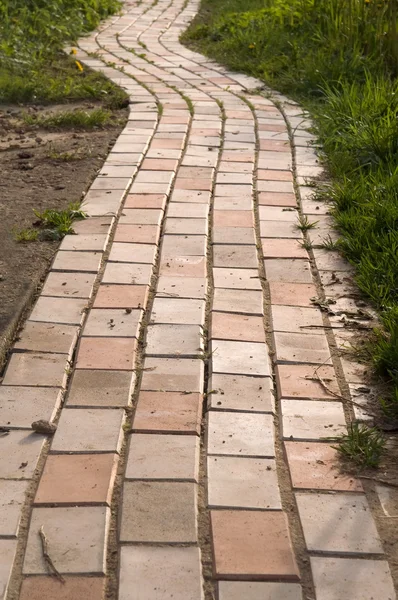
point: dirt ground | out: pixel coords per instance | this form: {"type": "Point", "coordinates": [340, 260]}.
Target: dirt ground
{"type": "Point", "coordinates": [39, 169]}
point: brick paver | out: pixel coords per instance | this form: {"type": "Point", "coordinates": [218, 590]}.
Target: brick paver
{"type": "Point", "coordinates": [196, 214]}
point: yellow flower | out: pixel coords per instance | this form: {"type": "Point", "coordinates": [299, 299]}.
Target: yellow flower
{"type": "Point", "coordinates": [79, 65]}
{"type": "Point", "coordinates": [251, 46]}
{"type": "Point", "coordinates": [73, 51]}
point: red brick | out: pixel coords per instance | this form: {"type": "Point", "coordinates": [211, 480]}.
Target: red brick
{"type": "Point", "coordinates": [77, 479]}
{"type": "Point", "coordinates": [292, 294]}
{"type": "Point", "coordinates": [252, 544]}
{"type": "Point", "coordinates": [283, 248]}
{"type": "Point", "coordinates": [233, 218]}
{"type": "Point", "coordinates": [317, 466]}
{"type": "Point", "coordinates": [299, 381]}
{"type": "Point", "coordinates": [277, 198]}
{"type": "Point", "coordinates": [270, 175]}
{"type": "Point", "coordinates": [145, 201]}
{"type": "Point", "coordinates": [121, 296]}
{"type": "Point", "coordinates": [106, 353]}
{"type": "Point", "coordinates": [141, 234]}
{"type": "Point", "coordinates": [173, 412]}
{"type": "Point", "coordinates": [227, 326]}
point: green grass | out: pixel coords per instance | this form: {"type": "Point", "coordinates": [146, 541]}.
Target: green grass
{"type": "Point", "coordinates": [304, 224]}
{"type": "Point", "coordinates": [60, 156]}
{"type": "Point", "coordinates": [25, 235]}
{"type": "Point", "coordinates": [76, 119]}
{"type": "Point", "coordinates": [362, 445]}
{"type": "Point", "coordinates": [328, 243]}
{"type": "Point", "coordinates": [339, 59]}
{"type": "Point", "coordinates": [55, 224]}
{"type": "Point", "coordinates": [32, 65]}
{"type": "Point", "coordinates": [51, 225]}
{"type": "Point", "coordinates": [58, 80]}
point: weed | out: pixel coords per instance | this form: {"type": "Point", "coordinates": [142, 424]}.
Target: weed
{"type": "Point", "coordinates": [25, 235]}
{"type": "Point", "coordinates": [304, 224]}
{"type": "Point", "coordinates": [189, 104]}
{"type": "Point", "coordinates": [51, 225]}
{"type": "Point", "coordinates": [306, 244]}
{"type": "Point", "coordinates": [328, 243]}
{"type": "Point", "coordinates": [389, 405]}
{"type": "Point", "coordinates": [206, 355]}
{"type": "Point", "coordinates": [63, 156]}
{"type": "Point", "coordinates": [76, 119]}
{"type": "Point", "coordinates": [54, 154]}
{"type": "Point", "coordinates": [361, 444]}
{"type": "Point", "coordinates": [56, 224]}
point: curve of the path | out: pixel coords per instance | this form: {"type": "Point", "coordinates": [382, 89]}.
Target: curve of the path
{"type": "Point", "coordinates": [177, 347]}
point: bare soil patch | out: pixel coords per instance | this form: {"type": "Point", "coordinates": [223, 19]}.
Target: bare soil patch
{"type": "Point", "coordinates": [40, 169]}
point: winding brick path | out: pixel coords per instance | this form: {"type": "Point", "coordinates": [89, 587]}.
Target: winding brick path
{"type": "Point", "coordinates": [168, 330]}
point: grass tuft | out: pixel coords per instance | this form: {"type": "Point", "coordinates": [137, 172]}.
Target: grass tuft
{"type": "Point", "coordinates": [328, 243]}
{"type": "Point", "coordinates": [25, 235]}
{"type": "Point", "coordinates": [55, 224]}
{"type": "Point", "coordinates": [76, 119]}
{"type": "Point", "coordinates": [304, 224]}
{"type": "Point", "coordinates": [362, 445]}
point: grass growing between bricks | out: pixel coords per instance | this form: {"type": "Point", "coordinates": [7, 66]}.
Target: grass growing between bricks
{"type": "Point", "coordinates": [362, 445]}
{"type": "Point", "coordinates": [339, 59]}
{"type": "Point", "coordinates": [32, 65]}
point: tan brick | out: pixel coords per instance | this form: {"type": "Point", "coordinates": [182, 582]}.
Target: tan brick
{"type": "Point", "coordinates": [154, 456]}
{"type": "Point", "coordinates": [77, 538]}
{"type": "Point", "coordinates": [238, 482]}
{"type": "Point", "coordinates": [33, 369]}
{"type": "Point", "coordinates": [12, 498]}
{"type": "Point", "coordinates": [78, 430]}
{"type": "Point", "coordinates": [347, 578]}
{"type": "Point", "coordinates": [20, 406]}
{"type": "Point", "coordinates": [344, 523]}
{"type": "Point", "coordinates": [239, 392]}
{"type": "Point", "coordinates": [256, 590]}
{"type": "Point", "coordinates": [44, 587]}
{"type": "Point", "coordinates": [155, 573]}
{"type": "Point", "coordinates": [240, 434]}
{"type": "Point", "coordinates": [312, 420]}
{"type": "Point", "coordinates": [155, 512]}
{"type": "Point", "coordinates": [99, 388]}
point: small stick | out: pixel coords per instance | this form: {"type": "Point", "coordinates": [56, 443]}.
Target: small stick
{"type": "Point", "coordinates": [168, 294]}
{"type": "Point", "coordinates": [318, 378]}
{"type": "Point", "coordinates": [47, 557]}
{"type": "Point", "coordinates": [318, 327]}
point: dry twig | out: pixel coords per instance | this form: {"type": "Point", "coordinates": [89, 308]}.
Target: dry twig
{"type": "Point", "coordinates": [48, 560]}
{"type": "Point", "coordinates": [317, 377]}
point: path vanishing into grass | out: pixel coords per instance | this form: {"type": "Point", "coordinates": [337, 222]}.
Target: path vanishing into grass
{"type": "Point", "coordinates": [338, 59]}
{"type": "Point", "coordinates": [182, 375]}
